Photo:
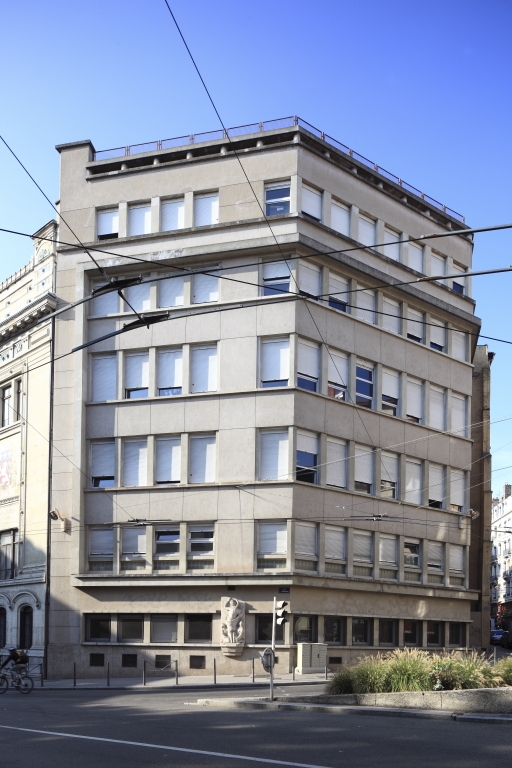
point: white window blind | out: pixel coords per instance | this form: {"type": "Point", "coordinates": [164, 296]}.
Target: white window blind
{"type": "Point", "coordinates": [415, 257]}
{"type": "Point", "coordinates": [275, 270]}
{"type": "Point", "coordinates": [335, 544]}
{"type": "Point", "coordinates": [460, 279]}
{"type": "Point", "coordinates": [415, 323]}
{"type": "Point", "coordinates": [457, 489]}
{"type": "Point", "coordinates": [171, 292]}
{"type": "Point", "coordinates": [168, 460]}
{"type": "Point", "coordinates": [107, 222]}
{"type": "Point", "coordinates": [363, 464]}
{"type": "Point", "coordinates": [305, 539]}
{"type": "Point", "coordinates": [172, 214]}
{"type": "Point", "coordinates": [307, 442]}
{"type": "Point", "coordinates": [205, 288]}
{"type": "Point", "coordinates": [274, 455]}
{"type": "Point", "coordinates": [365, 305]}
{"type": "Point", "coordinates": [139, 220]}
{"type": "Point", "coordinates": [391, 318]}
{"type": "Point", "coordinates": [459, 345]}
{"type": "Point", "coordinates": [103, 459]}
{"type": "Point", "coordinates": [366, 231]}
{"type": "Point", "coordinates": [389, 467]}
{"type": "Point", "coordinates": [133, 541]}
{"type": "Point", "coordinates": [388, 550]}
{"type": "Point", "coordinates": [456, 558]}
{"type": "Point", "coordinates": [437, 408]}
{"type": "Point", "coordinates": [413, 479]}
{"type": "Point", "coordinates": [436, 482]}
{"type": "Point", "coordinates": [338, 368]}
{"type": "Point", "coordinates": [136, 371]}
{"type": "Point", "coordinates": [139, 297]}
{"type": "Point", "coordinates": [340, 218]}
{"type": "Point", "coordinates": [391, 249]}
{"type": "Point", "coordinates": [437, 265]}
{"type": "Point", "coordinates": [275, 360]}
{"type": "Point", "coordinates": [106, 303]}
{"type": "Point", "coordinates": [203, 369]}
{"type": "Point", "coordinates": [338, 289]}
{"type": "Point", "coordinates": [435, 555]}
{"type": "Point", "coordinates": [309, 279]}
{"type": "Point", "coordinates": [135, 462]}
{"type": "Point", "coordinates": [308, 361]}
{"type": "Point", "coordinates": [272, 538]}
{"type": "Point", "coordinates": [104, 378]}
{"type": "Point", "coordinates": [101, 541]}
{"type": "Point", "coordinates": [414, 398]}
{"type": "Point", "coordinates": [459, 425]}
{"type": "Point", "coordinates": [363, 546]}
{"type": "Point", "coordinates": [438, 334]}
{"type": "Point", "coordinates": [336, 469]}
{"type": "Point", "coordinates": [169, 368]}
{"type": "Point", "coordinates": [312, 202]}
{"type": "Point", "coordinates": [206, 210]}
{"type": "Point", "coordinates": [390, 383]}
{"type": "Point", "coordinates": [202, 459]}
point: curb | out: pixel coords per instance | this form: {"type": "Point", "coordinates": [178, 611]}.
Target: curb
{"type": "Point", "coordinates": [167, 689]}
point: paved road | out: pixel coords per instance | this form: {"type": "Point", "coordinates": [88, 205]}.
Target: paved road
{"type": "Point", "coordinates": [242, 739]}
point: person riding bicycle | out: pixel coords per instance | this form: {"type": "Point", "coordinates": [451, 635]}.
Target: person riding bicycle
{"type": "Point", "coordinates": [19, 659]}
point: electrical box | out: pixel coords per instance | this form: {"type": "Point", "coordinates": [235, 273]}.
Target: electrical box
{"type": "Point", "coordinates": [311, 658]}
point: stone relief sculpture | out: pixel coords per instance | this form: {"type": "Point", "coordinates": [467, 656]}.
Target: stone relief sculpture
{"type": "Point", "coordinates": [232, 618]}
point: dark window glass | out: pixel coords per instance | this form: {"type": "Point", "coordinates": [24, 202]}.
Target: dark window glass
{"type": "Point", "coordinates": [307, 382]}
{"type": "Point", "coordinates": [110, 236]}
{"type": "Point", "coordinates": [434, 633]}
{"type": "Point", "coordinates": [102, 482]}
{"type": "Point", "coordinates": [275, 383]}
{"type": "Point", "coordinates": [388, 632]}
{"type": "Point", "coordinates": [199, 627]}
{"type": "Point", "coordinates": [264, 629]}
{"type": "Point", "coordinates": [458, 288]}
{"type": "Point", "coordinates": [305, 629]}
{"type": "Point", "coordinates": [167, 542]}
{"type": "Point", "coordinates": [337, 304]}
{"type": "Point", "coordinates": [3, 627]}
{"type": "Point", "coordinates": [273, 287]}
{"type": "Point", "coordinates": [389, 404]}
{"type": "Point", "coordinates": [388, 489]}
{"type": "Point", "coordinates": [457, 633]}
{"type": "Point", "coordinates": [129, 660]}
{"type": "Point", "coordinates": [334, 630]}
{"type": "Point", "coordinates": [197, 662]}
{"type": "Point", "coordinates": [98, 627]}
{"type": "Point", "coordinates": [133, 394]}
{"type": "Point", "coordinates": [8, 547]}
{"type": "Point", "coordinates": [130, 627]}
{"type": "Point", "coordinates": [361, 634]}
{"type": "Point", "coordinates": [162, 661]}
{"type": "Point", "coordinates": [412, 632]}
{"type": "Point", "coordinates": [364, 386]}
{"type": "Point", "coordinates": [435, 504]}
{"type": "Point", "coordinates": [438, 347]}
{"type": "Point", "coordinates": [97, 660]}
{"type": "Point", "coordinates": [362, 487]}
{"type": "Point", "coordinates": [411, 554]}
{"type": "Point", "coordinates": [306, 467]}
{"type": "Point", "coordinates": [26, 623]}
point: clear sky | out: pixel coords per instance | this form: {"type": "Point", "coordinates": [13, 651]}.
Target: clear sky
{"type": "Point", "coordinates": [423, 89]}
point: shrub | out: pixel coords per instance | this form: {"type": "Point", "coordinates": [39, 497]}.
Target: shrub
{"type": "Point", "coordinates": [475, 671]}
{"type": "Point", "coordinates": [408, 670]}
{"type": "Point", "coordinates": [504, 670]}
{"type": "Point", "coordinates": [369, 675]}
{"type": "Point", "coordinates": [445, 671]}
{"type": "Point", "coordinates": [341, 682]}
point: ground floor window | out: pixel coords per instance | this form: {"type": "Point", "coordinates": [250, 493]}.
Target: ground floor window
{"type": "Point", "coordinates": [26, 626]}
{"type": "Point", "coordinates": [388, 632]}
{"type": "Point", "coordinates": [457, 633]}
{"type": "Point", "coordinates": [129, 660]}
{"type": "Point", "coordinates": [164, 628]}
{"type": "Point", "coordinates": [264, 629]}
{"type": "Point", "coordinates": [362, 631]}
{"type": "Point", "coordinates": [162, 661]}
{"type": "Point", "coordinates": [197, 662]}
{"type": "Point", "coordinates": [412, 632]}
{"type": "Point", "coordinates": [335, 630]}
{"type": "Point", "coordinates": [305, 629]}
{"type": "Point", "coordinates": [435, 634]}
{"type": "Point", "coordinates": [97, 627]}
{"type": "Point", "coordinates": [97, 660]}
{"type": "Point", "coordinates": [130, 628]}
{"type": "Point", "coordinates": [198, 628]}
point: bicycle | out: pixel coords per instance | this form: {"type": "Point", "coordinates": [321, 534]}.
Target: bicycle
{"type": "Point", "coordinates": [20, 681]}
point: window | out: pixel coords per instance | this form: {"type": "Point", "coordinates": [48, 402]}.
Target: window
{"type": "Point", "coordinates": [310, 283]}
{"type": "Point", "coordinates": [363, 471]}
{"type": "Point", "coordinates": [307, 457]}
{"type": "Point", "coordinates": [198, 628]}
{"type": "Point", "coordinates": [276, 277]}
{"type": "Point", "coordinates": [135, 462]}
{"type": "Point", "coordinates": [272, 538]}
{"type": "Point", "coordinates": [459, 281]}
{"type": "Point", "coordinates": [101, 549]}
{"type": "Point", "coordinates": [389, 476]}
{"type": "Point", "coordinates": [102, 464]}
{"type": "Point", "coordinates": [362, 631]}
{"type": "Point", "coordinates": [8, 554]}
{"type": "Point", "coordinates": [7, 406]}
{"type": "Point", "coordinates": [308, 365]}
{"type": "Point", "coordinates": [436, 486]}
{"type": "Point", "coordinates": [167, 540]}
{"type": "Point", "coordinates": [172, 214]}
{"type": "Point", "coordinates": [459, 421]}
{"type": "Point", "coordinates": [277, 199]}
{"type": "Point", "coordinates": [97, 627]}
{"type": "Point", "coordinates": [205, 288]}
{"type": "Point", "coordinates": [437, 408]}
{"type": "Point", "coordinates": [390, 391]}
{"type": "Point", "coordinates": [364, 385]}
{"type": "Point", "coordinates": [412, 632]}
{"type": "Point", "coordinates": [388, 632]}
{"type": "Point", "coordinates": [274, 455]}
{"type": "Point", "coordinates": [412, 554]}
{"type": "Point", "coordinates": [26, 627]}
{"type": "Point", "coordinates": [264, 629]}
{"type": "Point", "coordinates": [435, 555]}
{"type": "Point", "coordinates": [136, 375]}
{"type": "Point", "coordinates": [335, 630]}
{"type": "Point", "coordinates": [139, 220]}
{"type": "Point", "coordinates": [19, 402]}
{"type": "Point", "coordinates": [129, 660]}
{"type": "Point", "coordinates": [414, 411]}
{"type": "Point", "coordinates": [337, 367]}
{"type": "Point", "coordinates": [415, 257]}
{"type": "Point", "coordinates": [457, 633]}
{"type": "Point", "coordinates": [3, 627]}
{"type": "Point", "coordinates": [312, 202]}
{"type": "Point", "coordinates": [133, 549]}
{"type": "Point", "coordinates": [96, 659]}
{"type": "Point", "coordinates": [336, 468]}
{"type": "Point", "coordinates": [130, 628]}
{"type": "Point", "coordinates": [200, 539]}
{"type": "Point", "coordinates": [106, 303]}
{"type": "Point", "coordinates": [391, 249]}
{"type": "Point", "coordinates": [306, 547]}
{"type": "Point", "coordinates": [340, 218]}
{"type": "Point", "coordinates": [338, 293]}
{"type": "Point", "coordinates": [435, 633]}
{"type": "Point", "coordinates": [197, 662]}
{"type": "Point", "coordinates": [335, 548]}
{"type": "Point", "coordinates": [437, 266]}
{"type": "Point", "coordinates": [414, 325]}
{"type": "Point", "coordinates": [363, 551]}
{"type": "Point", "coordinates": [365, 305]}
{"type": "Point", "coordinates": [202, 464]}
{"type": "Point", "coordinates": [275, 362]}
{"type": "Point", "coordinates": [139, 297]}
{"type": "Point", "coordinates": [459, 345]}
{"type": "Point", "coordinates": [437, 336]}
{"type": "Point", "coordinates": [168, 460]}
{"type": "Point", "coordinates": [162, 661]}
{"type": "Point", "coordinates": [388, 550]}
{"type": "Point", "coordinates": [203, 369]}
{"type": "Point", "coordinates": [169, 367]}
{"type": "Point", "coordinates": [391, 315]}
{"type": "Point", "coordinates": [104, 377]}
{"type": "Point", "coordinates": [206, 210]}
{"type": "Point", "coordinates": [457, 491]}
{"type": "Point", "coordinates": [107, 224]}
{"type": "Point", "coordinates": [457, 558]}
{"type": "Point", "coordinates": [367, 230]}
{"type": "Point", "coordinates": [171, 292]}
{"type": "Point", "coordinates": [413, 482]}
{"type": "Point", "coordinates": [164, 628]}
{"type": "Point", "coordinates": [305, 629]}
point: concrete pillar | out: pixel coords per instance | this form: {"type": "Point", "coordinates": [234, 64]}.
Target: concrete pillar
{"type": "Point", "coordinates": [155, 214]}
{"type": "Point", "coordinates": [349, 631]}
{"type": "Point", "coordinates": [402, 402]}
{"type": "Point", "coordinates": [151, 460]}
{"type": "Point", "coordinates": [184, 460]}
{"type": "Point", "coordinates": [350, 560]}
{"type": "Point", "coordinates": [403, 247]}
{"type": "Point", "coordinates": [427, 252]}
{"type": "Point", "coordinates": [188, 209]}
{"type": "Point", "coordinates": [424, 559]}
{"type": "Point", "coordinates": [351, 449]}
{"type": "Point", "coordinates": [379, 233]}
{"type": "Point", "coordinates": [446, 637]}
{"type": "Point", "coordinates": [375, 638]}
{"type": "Point", "coordinates": [326, 208]}
{"type": "Point", "coordinates": [322, 470]}
{"type": "Point", "coordinates": [377, 387]}
{"type": "Point", "coordinates": [354, 222]}
{"type": "Point", "coordinates": [290, 546]}
{"type": "Point", "coordinates": [400, 573]}
{"type": "Point", "coordinates": [185, 383]}
{"type": "Point", "coordinates": [123, 219]}
{"type": "Point", "coordinates": [120, 375]}
{"type": "Point", "coordinates": [150, 538]}
{"type": "Point", "coordinates": [152, 372]}
{"type": "Point", "coordinates": [295, 194]}
{"type": "Point", "coordinates": [183, 550]}
{"type": "Point", "coordinates": [376, 550]}
{"type": "Point", "coordinates": [424, 635]}
{"type": "Point", "coordinates": [401, 642]}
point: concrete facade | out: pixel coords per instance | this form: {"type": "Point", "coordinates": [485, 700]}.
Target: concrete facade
{"type": "Point", "coordinates": [292, 438]}
{"type": "Point", "coordinates": [500, 570]}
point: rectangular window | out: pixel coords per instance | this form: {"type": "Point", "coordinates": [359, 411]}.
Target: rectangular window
{"type": "Point", "coordinates": [162, 661]}
{"type": "Point", "coordinates": [414, 325]}
{"type": "Point", "coordinates": [8, 546]}
{"type": "Point", "coordinates": [96, 659]}
{"type": "Point", "coordinates": [312, 202]}
{"type": "Point", "coordinates": [457, 490]}
{"type": "Point", "coordinates": [363, 547]}
{"type": "Point", "coordinates": [202, 461]}
{"type": "Point", "coordinates": [310, 283]}
{"type": "Point", "coordinates": [436, 486]}
{"type": "Point", "coordinates": [367, 230]}
{"type": "Point", "coordinates": [7, 406]}
{"type": "Point", "coordinates": [389, 476]}
{"type": "Point", "coordinates": [363, 470]}
{"type": "Point", "coordinates": [336, 468]}
{"type": "Point", "coordinates": [412, 632]}
{"type": "Point", "coordinates": [130, 628]}
{"type": "Point", "coordinates": [308, 365]}
{"type": "Point", "coordinates": [335, 630]}
{"type": "Point", "coordinates": [388, 632]}
{"type": "Point", "coordinates": [203, 369]}
{"type": "Point", "coordinates": [275, 362]}
{"type": "Point", "coordinates": [97, 627]}
{"type": "Point", "coordinates": [435, 556]}
{"type": "Point", "coordinates": [457, 633]}
{"type": "Point", "coordinates": [438, 336]}
{"type": "Point", "coordinates": [172, 214]}
{"type": "Point", "coordinates": [129, 660]}
{"type": "Point", "coordinates": [197, 662]}
{"type": "Point", "coordinates": [136, 375]}
{"type": "Point", "coordinates": [413, 482]}
{"type": "Point", "coordinates": [458, 283]}
{"type": "Point", "coordinates": [135, 462]}
{"type": "Point", "coordinates": [200, 539]}
{"type": "Point", "coordinates": [391, 249]}
{"type": "Point", "coordinates": [364, 385]}
{"type": "Point", "coordinates": [168, 460]}
{"type": "Point", "coordinates": [107, 224]}
{"type": "Point", "coordinates": [167, 540]}
{"type": "Point", "coordinates": [205, 288]}
{"type": "Point", "coordinates": [104, 378]}
{"type": "Point", "coordinates": [414, 410]}
{"type": "Point", "coordinates": [437, 407]}
{"type": "Point", "coordinates": [338, 293]}
{"type": "Point", "coordinates": [164, 628]}
{"type": "Point", "coordinates": [362, 633]}
{"type": "Point", "coordinates": [390, 391]}
{"type": "Point", "coordinates": [171, 292]}
{"type": "Point", "coordinates": [459, 345]}
{"type": "Point", "coordinates": [340, 218]}
{"type": "Point", "coordinates": [415, 257]}
{"type": "Point", "coordinates": [412, 554]}
{"type": "Point", "coordinates": [264, 629]}
{"type": "Point", "coordinates": [198, 628]}
{"type": "Point", "coordinates": [365, 305]}
{"type": "Point", "coordinates": [105, 303]}
{"type": "Point", "coordinates": [103, 464]}
{"type": "Point", "coordinates": [272, 538]}
{"type": "Point", "coordinates": [388, 550]}
{"type": "Point", "coordinates": [274, 455]}
{"type": "Point", "coordinates": [306, 540]}
{"type": "Point", "coordinates": [277, 199]}
{"type": "Point", "coordinates": [307, 457]}
{"type": "Point", "coordinates": [169, 372]}
{"type": "Point", "coordinates": [335, 543]}
{"type": "Point", "coordinates": [133, 540]}
{"type": "Point", "coordinates": [206, 210]}
{"type": "Point", "coordinates": [276, 277]}
{"type": "Point", "coordinates": [139, 297]}
{"type": "Point", "coordinates": [435, 633]}
{"type": "Point", "coordinates": [391, 315]}
{"type": "Point", "coordinates": [459, 420]}
{"type": "Point", "coordinates": [139, 220]}
{"type": "Point", "coordinates": [337, 367]}
{"type": "Point", "coordinates": [305, 629]}
{"type": "Point", "coordinates": [437, 266]}
{"type": "Point", "coordinates": [101, 549]}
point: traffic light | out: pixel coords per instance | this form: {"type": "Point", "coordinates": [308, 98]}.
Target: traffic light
{"type": "Point", "coordinates": [281, 613]}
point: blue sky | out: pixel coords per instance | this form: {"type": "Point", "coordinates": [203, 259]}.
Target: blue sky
{"type": "Point", "coordinates": [421, 89]}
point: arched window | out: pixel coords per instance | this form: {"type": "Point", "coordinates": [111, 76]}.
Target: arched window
{"type": "Point", "coordinates": [26, 623]}
{"type": "Point", "coordinates": [3, 627]}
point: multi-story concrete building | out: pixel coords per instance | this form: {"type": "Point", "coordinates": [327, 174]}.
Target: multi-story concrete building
{"type": "Point", "coordinates": [299, 427]}
{"type": "Point", "coordinates": [26, 297]}
{"type": "Point", "coordinates": [501, 560]}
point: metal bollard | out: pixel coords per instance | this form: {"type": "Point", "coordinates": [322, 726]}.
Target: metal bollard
{"type": "Point", "coordinates": [176, 673]}
{"type": "Point", "coordinates": [495, 654]}
{"type": "Point", "coordinates": [108, 674]}
{"type": "Point", "coordinates": [74, 674]}
{"type": "Point", "coordinates": [215, 672]}
{"type": "Point", "coordinates": [253, 669]}
{"type": "Point", "coordinates": [144, 672]}
{"type": "Point", "coordinates": [41, 670]}
{"type": "Point", "coordinates": [326, 671]}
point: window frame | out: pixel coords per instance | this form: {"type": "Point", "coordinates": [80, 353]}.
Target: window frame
{"type": "Point", "coordinates": [284, 199]}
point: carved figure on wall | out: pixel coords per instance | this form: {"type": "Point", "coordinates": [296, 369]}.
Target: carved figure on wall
{"type": "Point", "coordinates": [232, 625]}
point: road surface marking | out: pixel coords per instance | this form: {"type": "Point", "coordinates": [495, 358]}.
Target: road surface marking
{"type": "Point", "coordinates": [160, 746]}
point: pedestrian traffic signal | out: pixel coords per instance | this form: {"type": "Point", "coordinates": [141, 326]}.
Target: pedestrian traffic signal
{"type": "Point", "coordinates": [281, 613]}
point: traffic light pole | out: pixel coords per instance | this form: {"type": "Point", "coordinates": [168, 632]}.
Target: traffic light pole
{"type": "Point", "coordinates": [273, 651]}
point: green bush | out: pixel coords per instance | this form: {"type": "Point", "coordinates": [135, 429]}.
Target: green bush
{"type": "Point", "coordinates": [341, 682]}
{"type": "Point", "coordinates": [408, 670]}
{"type": "Point", "coordinates": [445, 671]}
{"type": "Point", "coordinates": [369, 675]}
{"type": "Point", "coordinates": [504, 670]}
{"type": "Point", "coordinates": [475, 671]}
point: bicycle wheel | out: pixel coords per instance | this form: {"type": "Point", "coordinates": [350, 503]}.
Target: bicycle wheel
{"type": "Point", "coordinates": [25, 684]}
{"type": "Point", "coordinates": [3, 684]}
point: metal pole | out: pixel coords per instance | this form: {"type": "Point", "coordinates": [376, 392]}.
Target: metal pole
{"type": "Point", "coordinates": [74, 674]}
{"type": "Point", "coordinates": [215, 672]}
{"type": "Point", "coordinates": [41, 668]}
{"type": "Point", "coordinates": [293, 668]}
{"type": "Point", "coordinates": [273, 654]}
{"type": "Point", "coordinates": [253, 669]}
{"type": "Point", "coordinates": [495, 649]}
{"type": "Point", "coordinates": [176, 673]}
{"type": "Point", "coordinates": [326, 671]}
{"type": "Point", "coordinates": [144, 672]}
{"type": "Point", "coordinates": [108, 674]}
